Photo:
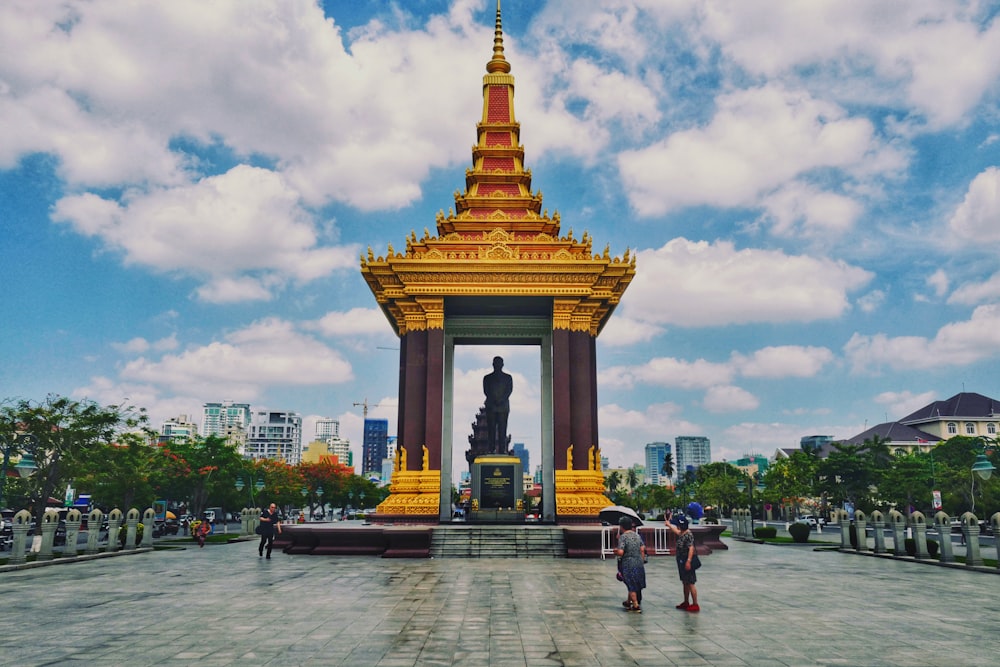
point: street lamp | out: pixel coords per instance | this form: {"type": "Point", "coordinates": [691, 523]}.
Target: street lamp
{"type": "Point", "coordinates": [984, 469]}
{"type": "Point", "coordinates": [250, 485]}
{"type": "Point", "coordinates": [25, 466]}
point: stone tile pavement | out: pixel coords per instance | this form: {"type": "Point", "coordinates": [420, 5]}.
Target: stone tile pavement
{"type": "Point", "coordinates": [761, 605]}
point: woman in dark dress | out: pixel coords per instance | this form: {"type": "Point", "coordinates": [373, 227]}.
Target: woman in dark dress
{"type": "Point", "coordinates": [632, 553]}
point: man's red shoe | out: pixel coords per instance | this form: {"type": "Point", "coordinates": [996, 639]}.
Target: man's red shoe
{"type": "Point", "coordinates": [693, 607]}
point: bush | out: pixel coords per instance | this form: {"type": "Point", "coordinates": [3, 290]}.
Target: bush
{"type": "Point", "coordinates": [799, 532]}
{"type": "Point", "coordinates": [765, 532]}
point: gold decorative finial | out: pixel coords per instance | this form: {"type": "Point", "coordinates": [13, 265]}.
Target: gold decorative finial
{"type": "Point", "coordinates": [498, 63]}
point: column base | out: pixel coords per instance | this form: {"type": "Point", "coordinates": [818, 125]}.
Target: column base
{"type": "Point", "coordinates": [580, 494]}
{"type": "Point", "coordinates": [413, 492]}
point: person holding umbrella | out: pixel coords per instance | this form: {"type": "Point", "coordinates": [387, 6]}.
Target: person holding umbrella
{"type": "Point", "coordinates": [632, 554]}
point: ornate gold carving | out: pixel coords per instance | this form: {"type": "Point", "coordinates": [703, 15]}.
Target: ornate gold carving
{"type": "Point", "coordinates": [413, 492]}
{"type": "Point", "coordinates": [569, 457]}
{"type": "Point", "coordinates": [426, 461]}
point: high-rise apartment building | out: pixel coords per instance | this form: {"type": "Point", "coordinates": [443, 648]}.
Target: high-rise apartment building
{"type": "Point", "coordinates": [375, 446]}
{"type": "Point", "coordinates": [521, 452]}
{"type": "Point", "coordinates": [177, 429]}
{"type": "Point", "coordinates": [328, 443]}
{"type": "Point", "coordinates": [227, 420]}
{"type": "Point", "coordinates": [656, 454]}
{"type": "Point", "coordinates": [691, 452]}
{"type": "Point", "coordinates": [275, 434]}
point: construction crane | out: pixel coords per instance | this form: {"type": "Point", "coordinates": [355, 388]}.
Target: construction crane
{"type": "Point", "coordinates": [365, 408]}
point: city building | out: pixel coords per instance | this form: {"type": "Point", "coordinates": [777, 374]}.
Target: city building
{"type": "Point", "coordinates": [178, 429]}
{"type": "Point", "coordinates": [814, 442]}
{"type": "Point", "coordinates": [656, 454]}
{"type": "Point", "coordinates": [690, 453]}
{"type": "Point", "coordinates": [752, 464]}
{"type": "Point", "coordinates": [227, 420]}
{"type": "Point", "coordinates": [389, 462]}
{"type": "Point", "coordinates": [374, 447]}
{"type": "Point", "coordinates": [968, 414]}
{"type": "Point", "coordinates": [329, 443]}
{"type": "Point", "coordinates": [275, 434]}
{"type": "Point", "coordinates": [521, 452]}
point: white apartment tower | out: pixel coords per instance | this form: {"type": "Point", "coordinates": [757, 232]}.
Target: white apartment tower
{"type": "Point", "coordinates": [328, 431]}
{"type": "Point", "coordinates": [691, 452]}
{"type": "Point", "coordinates": [227, 420]}
{"type": "Point", "coordinates": [275, 434]}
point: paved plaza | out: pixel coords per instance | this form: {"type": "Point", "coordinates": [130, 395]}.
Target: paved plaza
{"type": "Point", "coordinates": [761, 605]}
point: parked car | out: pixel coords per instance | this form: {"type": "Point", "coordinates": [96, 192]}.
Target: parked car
{"type": "Point", "coordinates": [813, 520]}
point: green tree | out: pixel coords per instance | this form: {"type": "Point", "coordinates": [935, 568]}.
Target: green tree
{"type": "Point", "coordinates": [212, 464]}
{"type": "Point", "coordinates": [119, 474]}
{"type": "Point", "coordinates": [65, 432]}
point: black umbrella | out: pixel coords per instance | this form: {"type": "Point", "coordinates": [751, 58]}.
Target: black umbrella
{"type": "Point", "coordinates": [613, 513]}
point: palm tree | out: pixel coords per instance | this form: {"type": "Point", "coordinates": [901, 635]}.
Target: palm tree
{"type": "Point", "coordinates": [632, 479]}
{"type": "Point", "coordinates": [613, 481]}
{"type": "Point", "coordinates": [668, 465]}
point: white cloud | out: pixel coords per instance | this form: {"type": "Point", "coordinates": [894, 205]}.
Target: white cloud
{"type": "Point", "coordinates": [901, 403]}
{"type": "Point", "coordinates": [668, 372]}
{"type": "Point", "coordinates": [939, 282]}
{"type": "Point", "coordinates": [798, 208]}
{"type": "Point", "coordinates": [872, 301]}
{"type": "Point", "coordinates": [977, 219]}
{"type": "Point", "coordinates": [932, 56]}
{"type": "Point", "coordinates": [714, 284]}
{"type": "Point", "coordinates": [758, 140]}
{"type": "Point", "coordinates": [729, 399]}
{"type": "Point", "coordinates": [265, 354]}
{"type": "Point", "coordinates": [956, 344]}
{"type": "Point", "coordinates": [139, 345]}
{"type": "Point", "coordinates": [974, 293]}
{"type": "Point", "coordinates": [783, 361]}
{"type": "Point", "coordinates": [356, 321]}
{"type": "Point", "coordinates": [622, 331]}
{"type": "Point", "coordinates": [246, 221]}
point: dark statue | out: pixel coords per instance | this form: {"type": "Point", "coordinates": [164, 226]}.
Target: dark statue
{"type": "Point", "coordinates": [497, 386]}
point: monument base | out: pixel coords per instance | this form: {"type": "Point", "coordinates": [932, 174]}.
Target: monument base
{"type": "Point", "coordinates": [497, 490]}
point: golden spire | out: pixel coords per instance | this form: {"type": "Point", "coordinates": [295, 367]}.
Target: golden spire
{"type": "Point", "coordinates": [498, 63]}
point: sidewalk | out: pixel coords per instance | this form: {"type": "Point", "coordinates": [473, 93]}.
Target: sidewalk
{"type": "Point", "coordinates": [761, 605]}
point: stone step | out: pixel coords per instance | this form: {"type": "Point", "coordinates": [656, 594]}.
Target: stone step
{"type": "Point", "coordinates": [497, 542]}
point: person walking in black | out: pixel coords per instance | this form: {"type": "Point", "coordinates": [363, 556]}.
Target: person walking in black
{"type": "Point", "coordinates": [270, 524]}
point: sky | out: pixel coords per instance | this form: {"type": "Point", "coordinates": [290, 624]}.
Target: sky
{"type": "Point", "coordinates": [812, 191]}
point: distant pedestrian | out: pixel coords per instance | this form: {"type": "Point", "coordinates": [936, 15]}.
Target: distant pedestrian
{"type": "Point", "coordinates": [270, 524]}
{"type": "Point", "coordinates": [201, 532]}
{"type": "Point", "coordinates": [632, 554]}
{"type": "Point", "coordinates": [686, 561]}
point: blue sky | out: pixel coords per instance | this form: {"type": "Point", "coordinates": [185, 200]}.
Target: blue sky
{"type": "Point", "coordinates": [812, 189]}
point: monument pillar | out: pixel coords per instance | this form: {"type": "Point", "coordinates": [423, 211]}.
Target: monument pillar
{"type": "Point", "coordinates": [499, 269]}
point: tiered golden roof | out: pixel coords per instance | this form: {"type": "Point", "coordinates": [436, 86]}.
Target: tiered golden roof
{"type": "Point", "coordinates": [498, 241]}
